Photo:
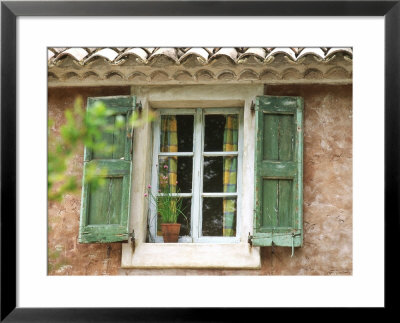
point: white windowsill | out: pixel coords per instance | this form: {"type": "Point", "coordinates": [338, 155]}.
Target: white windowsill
{"type": "Point", "coordinates": [191, 255]}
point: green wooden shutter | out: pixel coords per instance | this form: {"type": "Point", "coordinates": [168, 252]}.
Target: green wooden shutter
{"type": "Point", "coordinates": [278, 217]}
{"type": "Point", "coordinates": [105, 211]}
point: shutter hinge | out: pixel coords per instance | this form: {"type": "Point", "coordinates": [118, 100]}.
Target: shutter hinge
{"type": "Point", "coordinates": [252, 107]}
{"type": "Point", "coordinates": [294, 235]}
{"type": "Point", "coordinates": [139, 106]}
{"type": "Point", "coordinates": [132, 236]}
{"type": "Point", "coordinates": [249, 240]}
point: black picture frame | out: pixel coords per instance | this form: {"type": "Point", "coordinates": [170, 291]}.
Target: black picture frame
{"type": "Point", "coordinates": [10, 10]}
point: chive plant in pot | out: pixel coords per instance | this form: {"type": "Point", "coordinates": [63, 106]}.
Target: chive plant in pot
{"type": "Point", "coordinates": [169, 206]}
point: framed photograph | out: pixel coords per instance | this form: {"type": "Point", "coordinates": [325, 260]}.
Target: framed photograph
{"type": "Point", "coordinates": [265, 132]}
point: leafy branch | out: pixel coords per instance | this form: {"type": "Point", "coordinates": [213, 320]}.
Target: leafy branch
{"type": "Point", "coordinates": [82, 127]}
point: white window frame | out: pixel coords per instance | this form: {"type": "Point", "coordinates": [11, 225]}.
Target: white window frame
{"type": "Point", "coordinates": [238, 255]}
{"type": "Point", "coordinates": [198, 155]}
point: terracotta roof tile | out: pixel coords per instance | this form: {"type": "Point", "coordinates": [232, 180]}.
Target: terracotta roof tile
{"type": "Point", "coordinates": [229, 52]}
{"type": "Point", "coordinates": [136, 51]}
{"type": "Point", "coordinates": [169, 52]}
{"type": "Point", "coordinates": [161, 65]}
{"type": "Point", "coordinates": [107, 53]}
{"type": "Point", "coordinates": [76, 53]}
{"type": "Point", "coordinates": [287, 51]}
{"type": "Point", "coordinates": [311, 51]}
{"type": "Point", "coordinates": [205, 55]}
{"type": "Point", "coordinates": [334, 50]}
{"type": "Point", "coordinates": [199, 52]}
{"type": "Point", "coordinates": [259, 52]}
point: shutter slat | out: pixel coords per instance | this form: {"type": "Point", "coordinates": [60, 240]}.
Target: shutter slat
{"type": "Point", "coordinates": [278, 169]}
{"type": "Point", "coordinates": [278, 173]}
{"type": "Point", "coordinates": [270, 203]}
{"type": "Point", "coordinates": [105, 210]}
{"type": "Point", "coordinates": [119, 139]}
{"type": "Point", "coordinates": [285, 198]}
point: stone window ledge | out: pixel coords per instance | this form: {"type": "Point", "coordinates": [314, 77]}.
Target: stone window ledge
{"type": "Point", "coordinates": [191, 255]}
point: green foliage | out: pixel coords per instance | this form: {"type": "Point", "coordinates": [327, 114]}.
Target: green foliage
{"type": "Point", "coordinates": [82, 127]}
{"type": "Point", "coordinates": [167, 201]}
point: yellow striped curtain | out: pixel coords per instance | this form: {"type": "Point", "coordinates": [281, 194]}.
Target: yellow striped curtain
{"type": "Point", "coordinates": [230, 175]}
{"type": "Point", "coordinates": [169, 143]}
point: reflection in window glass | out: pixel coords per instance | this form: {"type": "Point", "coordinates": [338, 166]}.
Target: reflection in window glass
{"type": "Point", "coordinates": [219, 216]}
{"type": "Point", "coordinates": [220, 174]}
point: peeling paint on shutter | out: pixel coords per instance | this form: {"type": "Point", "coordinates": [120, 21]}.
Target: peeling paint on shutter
{"type": "Point", "coordinates": [105, 211]}
{"type": "Point", "coordinates": [278, 217]}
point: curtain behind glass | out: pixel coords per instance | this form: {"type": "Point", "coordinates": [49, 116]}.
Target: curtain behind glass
{"type": "Point", "coordinates": [230, 174]}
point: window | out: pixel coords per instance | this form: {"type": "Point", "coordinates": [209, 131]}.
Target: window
{"type": "Point", "coordinates": [206, 146]}
{"type": "Point", "coordinates": [199, 152]}
{"type": "Point", "coordinates": [197, 101]}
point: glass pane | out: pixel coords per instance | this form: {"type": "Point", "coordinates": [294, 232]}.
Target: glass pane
{"type": "Point", "coordinates": [220, 174]}
{"type": "Point", "coordinates": [219, 216]}
{"type": "Point", "coordinates": [213, 174]}
{"type": "Point", "coordinates": [184, 220]}
{"type": "Point", "coordinates": [176, 133]}
{"type": "Point", "coordinates": [177, 172]}
{"type": "Point", "coordinates": [221, 132]}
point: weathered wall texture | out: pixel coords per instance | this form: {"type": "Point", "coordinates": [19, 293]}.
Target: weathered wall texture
{"type": "Point", "coordinates": [328, 194]}
{"type": "Point", "coordinates": [328, 222]}
{"type": "Point", "coordinates": [65, 255]}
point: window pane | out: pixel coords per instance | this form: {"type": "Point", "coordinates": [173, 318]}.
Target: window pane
{"type": "Point", "coordinates": [221, 132]}
{"type": "Point", "coordinates": [213, 174]}
{"type": "Point", "coordinates": [176, 133]}
{"type": "Point", "coordinates": [220, 174]}
{"type": "Point", "coordinates": [177, 172]}
{"type": "Point", "coordinates": [184, 220]}
{"type": "Point", "coordinates": [219, 216]}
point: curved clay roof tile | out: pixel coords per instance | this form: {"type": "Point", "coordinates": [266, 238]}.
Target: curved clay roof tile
{"type": "Point", "coordinates": [347, 50]}
{"type": "Point", "coordinates": [283, 50]}
{"type": "Point", "coordinates": [107, 53]}
{"type": "Point", "coordinates": [169, 52]}
{"type": "Point", "coordinates": [59, 49]}
{"type": "Point", "coordinates": [229, 52]}
{"type": "Point", "coordinates": [254, 51]}
{"type": "Point", "coordinates": [135, 51]}
{"type": "Point", "coordinates": [198, 52]}
{"type": "Point", "coordinates": [205, 54]}
{"type": "Point", "coordinates": [77, 53]}
{"type": "Point", "coordinates": [316, 51]}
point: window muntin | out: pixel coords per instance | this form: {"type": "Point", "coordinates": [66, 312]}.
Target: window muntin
{"type": "Point", "coordinates": [213, 200]}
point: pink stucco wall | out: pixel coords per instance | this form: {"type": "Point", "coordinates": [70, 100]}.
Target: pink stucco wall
{"type": "Point", "coordinates": [327, 204]}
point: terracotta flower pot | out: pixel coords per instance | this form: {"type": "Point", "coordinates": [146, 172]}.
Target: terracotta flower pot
{"type": "Point", "coordinates": [170, 231]}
